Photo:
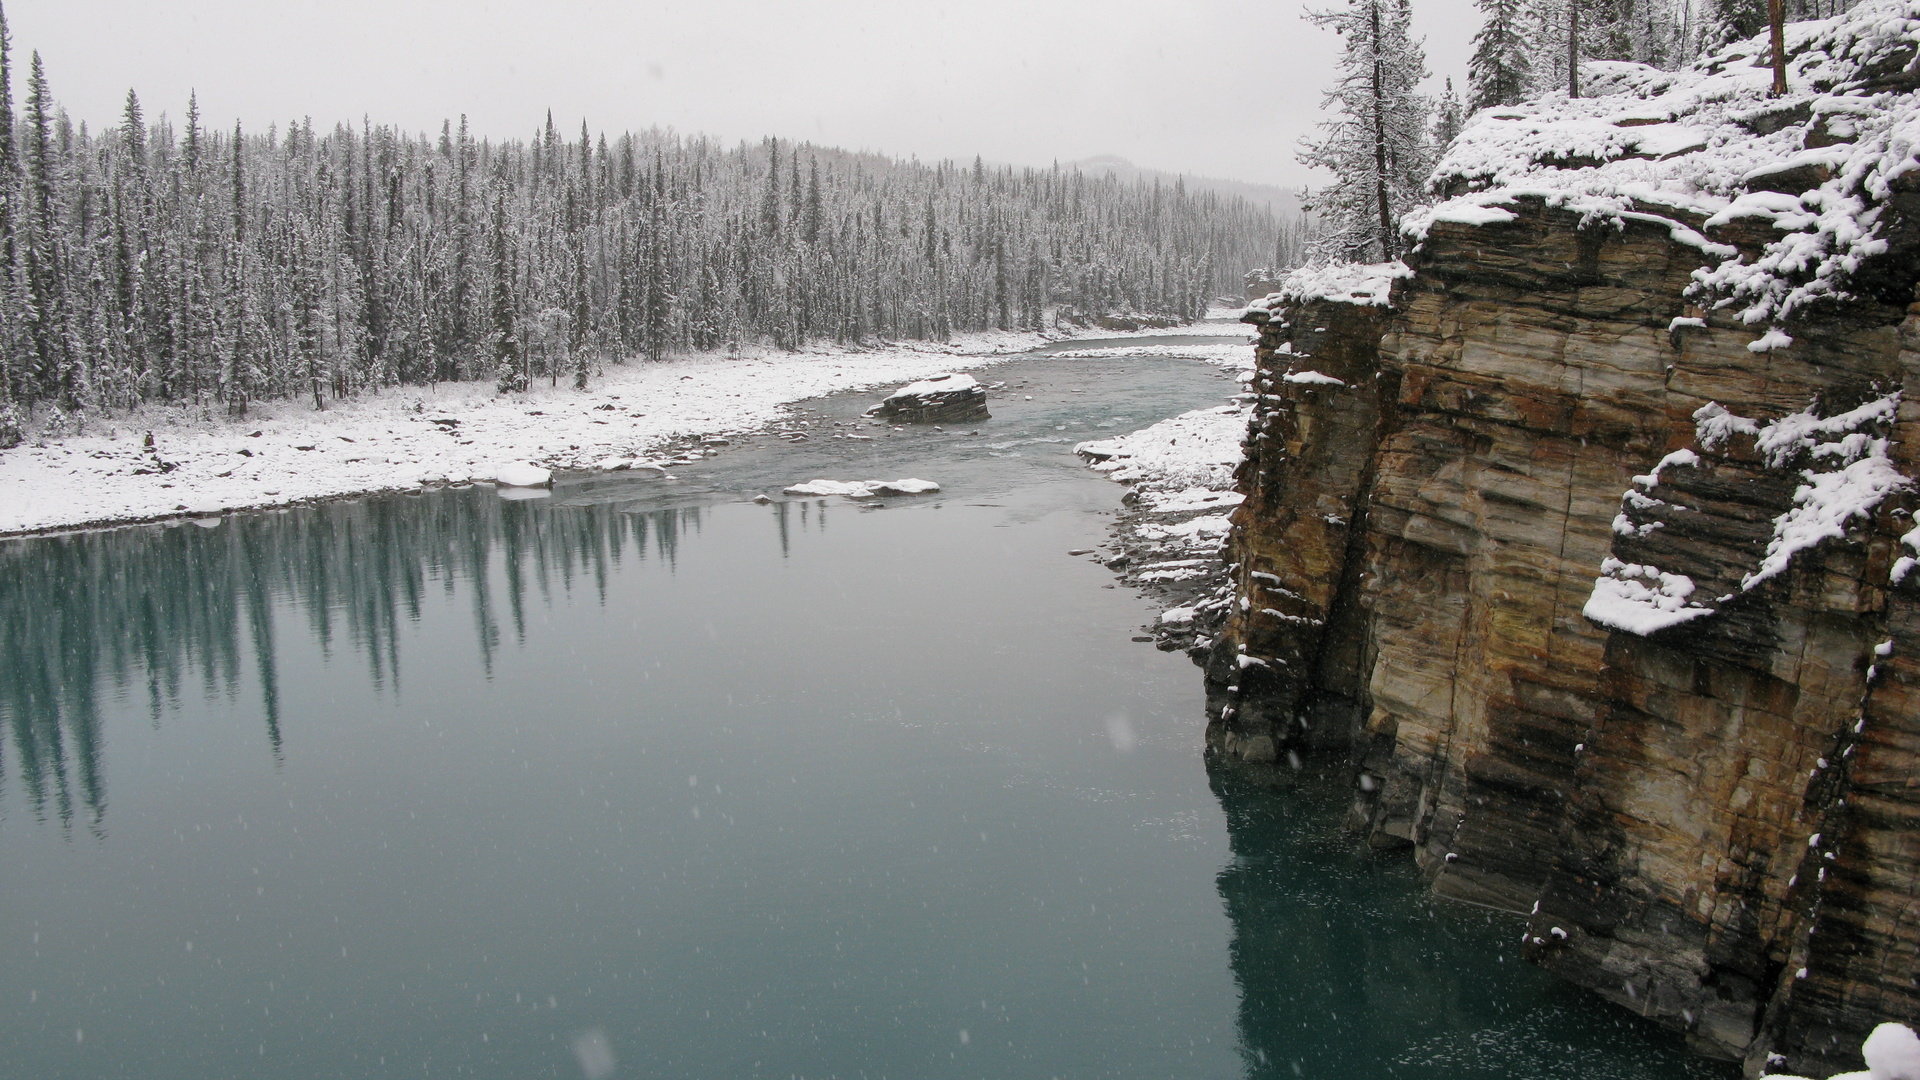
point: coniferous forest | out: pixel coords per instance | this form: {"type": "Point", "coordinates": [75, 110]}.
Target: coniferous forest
{"type": "Point", "coordinates": [150, 262]}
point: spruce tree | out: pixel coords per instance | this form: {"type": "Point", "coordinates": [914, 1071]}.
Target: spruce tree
{"type": "Point", "coordinates": [1375, 143]}
{"type": "Point", "coordinates": [1732, 20]}
{"type": "Point", "coordinates": [507, 373]}
{"type": "Point", "coordinates": [1447, 120]}
{"type": "Point", "coordinates": [814, 212]}
{"type": "Point", "coordinates": [1499, 72]}
{"type": "Point", "coordinates": [191, 146]}
{"type": "Point", "coordinates": [11, 345]}
{"type": "Point", "coordinates": [44, 315]}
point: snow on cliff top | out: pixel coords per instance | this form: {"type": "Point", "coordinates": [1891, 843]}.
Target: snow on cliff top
{"type": "Point", "coordinates": [1706, 145]}
{"type": "Point", "coordinates": [1365, 284]}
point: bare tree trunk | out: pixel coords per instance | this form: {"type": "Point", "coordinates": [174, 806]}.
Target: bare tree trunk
{"type": "Point", "coordinates": [1777, 25]}
{"type": "Point", "coordinates": [1573, 48]}
{"type": "Point", "coordinates": [1380, 141]}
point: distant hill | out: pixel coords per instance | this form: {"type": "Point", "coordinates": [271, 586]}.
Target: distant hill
{"type": "Point", "coordinates": [1284, 201]}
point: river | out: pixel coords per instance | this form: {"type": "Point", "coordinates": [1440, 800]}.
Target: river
{"type": "Point", "coordinates": [645, 779]}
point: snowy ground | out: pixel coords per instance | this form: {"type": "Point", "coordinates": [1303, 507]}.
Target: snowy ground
{"type": "Point", "coordinates": [202, 463]}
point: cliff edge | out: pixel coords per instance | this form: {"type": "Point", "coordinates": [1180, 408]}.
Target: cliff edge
{"type": "Point", "coordinates": [1586, 529]}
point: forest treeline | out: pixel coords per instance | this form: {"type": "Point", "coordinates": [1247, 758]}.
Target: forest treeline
{"type": "Point", "coordinates": [146, 262]}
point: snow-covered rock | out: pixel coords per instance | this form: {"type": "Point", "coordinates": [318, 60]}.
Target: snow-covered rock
{"type": "Point", "coordinates": [523, 475]}
{"type": "Point", "coordinates": [1704, 147]}
{"type": "Point", "coordinates": [947, 398]}
{"type": "Point", "coordinates": [864, 489]}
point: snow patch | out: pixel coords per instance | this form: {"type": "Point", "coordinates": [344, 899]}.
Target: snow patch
{"type": "Point", "coordinates": [1193, 498]}
{"type": "Point", "coordinates": [1311, 378]}
{"type": "Point", "coordinates": [943, 383]}
{"type": "Point", "coordinates": [1640, 599]}
{"type": "Point", "coordinates": [522, 474]}
{"type": "Point", "coordinates": [863, 489]}
{"type": "Point", "coordinates": [1195, 449]}
{"type": "Point", "coordinates": [1365, 284]}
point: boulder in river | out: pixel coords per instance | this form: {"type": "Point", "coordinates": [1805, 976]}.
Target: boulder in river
{"type": "Point", "coordinates": [947, 398]}
{"type": "Point", "coordinates": [864, 489]}
{"type": "Point", "coordinates": [523, 475]}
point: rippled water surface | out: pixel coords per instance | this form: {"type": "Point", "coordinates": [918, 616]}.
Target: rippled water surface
{"type": "Point", "coordinates": [647, 780]}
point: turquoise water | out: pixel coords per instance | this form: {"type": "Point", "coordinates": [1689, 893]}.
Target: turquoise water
{"type": "Point", "coordinates": [647, 780]}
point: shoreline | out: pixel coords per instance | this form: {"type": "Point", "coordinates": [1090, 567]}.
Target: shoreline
{"type": "Point", "coordinates": [402, 439]}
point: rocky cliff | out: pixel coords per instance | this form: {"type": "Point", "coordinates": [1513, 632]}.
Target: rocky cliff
{"type": "Point", "coordinates": [1584, 532]}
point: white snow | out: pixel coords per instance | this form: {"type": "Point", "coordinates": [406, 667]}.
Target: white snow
{"type": "Point", "coordinates": [1212, 526]}
{"type": "Point", "coordinates": [1904, 564]}
{"type": "Point", "coordinates": [1713, 425]}
{"type": "Point", "coordinates": [1218, 323]}
{"type": "Point", "coordinates": [1466, 212]}
{"type": "Point", "coordinates": [1677, 458]}
{"type": "Point", "coordinates": [1661, 147]}
{"type": "Point", "coordinates": [1640, 599]}
{"type": "Point", "coordinates": [1846, 473]}
{"type": "Point", "coordinates": [522, 474]}
{"type": "Point", "coordinates": [864, 489]}
{"type": "Point", "coordinates": [1892, 1052]}
{"type": "Point", "coordinates": [285, 452]}
{"type": "Point", "coordinates": [1192, 498]}
{"type": "Point", "coordinates": [946, 382]}
{"type": "Point", "coordinates": [1311, 378]}
{"type": "Point", "coordinates": [1365, 284]}
{"type": "Point", "coordinates": [1195, 449]}
{"type": "Point", "coordinates": [1846, 470]}
{"type": "Point", "coordinates": [1825, 504]}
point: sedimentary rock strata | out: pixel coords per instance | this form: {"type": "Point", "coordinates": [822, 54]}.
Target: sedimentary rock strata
{"type": "Point", "coordinates": [1585, 539]}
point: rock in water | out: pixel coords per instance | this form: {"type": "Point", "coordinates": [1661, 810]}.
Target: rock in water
{"type": "Point", "coordinates": [864, 489]}
{"type": "Point", "coordinates": [938, 399]}
{"type": "Point", "coordinates": [918, 487]}
{"type": "Point", "coordinates": [523, 474]}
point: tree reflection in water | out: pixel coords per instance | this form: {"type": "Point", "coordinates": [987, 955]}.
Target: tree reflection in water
{"type": "Point", "coordinates": [151, 611]}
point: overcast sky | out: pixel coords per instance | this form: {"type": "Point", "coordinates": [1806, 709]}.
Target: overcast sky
{"type": "Point", "coordinates": [1209, 87]}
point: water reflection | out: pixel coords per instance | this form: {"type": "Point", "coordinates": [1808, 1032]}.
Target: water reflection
{"type": "Point", "coordinates": [150, 613]}
{"type": "Point", "coordinates": [1343, 959]}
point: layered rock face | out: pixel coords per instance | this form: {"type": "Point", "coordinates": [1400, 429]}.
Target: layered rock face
{"type": "Point", "coordinates": [1606, 607]}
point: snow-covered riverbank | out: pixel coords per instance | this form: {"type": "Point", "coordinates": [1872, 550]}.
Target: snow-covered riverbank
{"type": "Point", "coordinates": [1169, 542]}
{"type": "Point", "coordinates": [201, 462]}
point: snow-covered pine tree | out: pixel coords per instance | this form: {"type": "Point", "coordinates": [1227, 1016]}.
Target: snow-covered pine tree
{"type": "Point", "coordinates": [1375, 143]}
{"type": "Point", "coordinates": [1546, 43]}
{"type": "Point", "coordinates": [1448, 119]}
{"type": "Point", "coordinates": [1655, 31]}
{"type": "Point", "coordinates": [1731, 20]}
{"type": "Point", "coordinates": [302, 264]}
{"type": "Point", "coordinates": [1500, 71]}
{"type": "Point", "coordinates": [11, 345]}
{"type": "Point", "coordinates": [44, 311]}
